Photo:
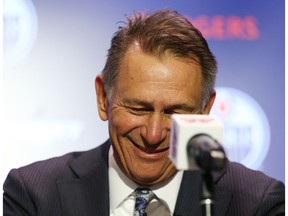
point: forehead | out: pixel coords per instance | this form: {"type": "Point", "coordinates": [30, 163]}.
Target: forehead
{"type": "Point", "coordinates": [151, 78]}
{"type": "Point", "coordinates": [139, 66]}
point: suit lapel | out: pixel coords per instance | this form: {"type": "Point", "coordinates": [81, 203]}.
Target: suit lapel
{"type": "Point", "coordinates": [222, 200]}
{"type": "Point", "coordinates": [222, 195]}
{"type": "Point", "coordinates": [189, 194]}
{"type": "Point", "coordinates": [188, 201]}
{"type": "Point", "coordinates": [87, 193]}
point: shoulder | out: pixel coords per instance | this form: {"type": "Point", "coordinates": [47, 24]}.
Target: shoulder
{"type": "Point", "coordinates": [34, 187]}
{"type": "Point", "coordinates": [59, 167]}
{"type": "Point", "coordinates": [238, 174]}
{"type": "Point", "coordinates": [251, 188]}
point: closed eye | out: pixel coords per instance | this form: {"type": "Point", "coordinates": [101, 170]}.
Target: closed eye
{"type": "Point", "coordinates": [139, 110]}
{"type": "Point", "coordinates": [180, 109]}
{"type": "Point", "coordinates": [170, 112]}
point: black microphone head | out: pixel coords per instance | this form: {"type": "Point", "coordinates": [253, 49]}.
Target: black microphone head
{"type": "Point", "coordinates": [208, 154]}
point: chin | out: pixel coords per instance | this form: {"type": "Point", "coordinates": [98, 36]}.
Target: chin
{"type": "Point", "coordinates": [152, 179]}
{"type": "Point", "coordinates": [146, 182]}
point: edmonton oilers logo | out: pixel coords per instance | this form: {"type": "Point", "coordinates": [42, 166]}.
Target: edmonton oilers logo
{"type": "Point", "coordinates": [246, 129]}
{"type": "Point", "coordinates": [19, 30]}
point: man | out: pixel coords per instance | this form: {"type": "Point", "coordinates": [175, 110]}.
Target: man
{"type": "Point", "coordinates": [158, 65]}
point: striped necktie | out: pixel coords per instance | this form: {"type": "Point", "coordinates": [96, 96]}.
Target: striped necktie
{"type": "Point", "coordinates": [143, 197]}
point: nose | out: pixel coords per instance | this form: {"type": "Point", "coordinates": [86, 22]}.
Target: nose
{"type": "Point", "coordinates": [155, 130]}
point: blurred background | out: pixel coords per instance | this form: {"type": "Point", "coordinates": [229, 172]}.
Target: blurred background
{"type": "Point", "coordinates": [53, 50]}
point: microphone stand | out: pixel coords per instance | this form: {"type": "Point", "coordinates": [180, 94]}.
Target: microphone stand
{"type": "Point", "coordinates": [207, 202]}
{"type": "Point", "coordinates": [209, 156]}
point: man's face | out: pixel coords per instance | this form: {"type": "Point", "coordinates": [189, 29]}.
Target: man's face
{"type": "Point", "coordinates": [146, 93]}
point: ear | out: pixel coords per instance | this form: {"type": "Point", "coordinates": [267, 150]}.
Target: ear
{"type": "Point", "coordinates": [210, 103]}
{"type": "Point", "coordinates": [102, 100]}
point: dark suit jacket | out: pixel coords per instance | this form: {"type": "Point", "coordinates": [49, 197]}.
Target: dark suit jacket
{"type": "Point", "coordinates": [77, 184]}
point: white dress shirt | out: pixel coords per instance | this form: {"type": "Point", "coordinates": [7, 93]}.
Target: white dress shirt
{"type": "Point", "coordinates": [122, 197]}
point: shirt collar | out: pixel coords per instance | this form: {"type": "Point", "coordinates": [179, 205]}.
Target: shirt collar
{"type": "Point", "coordinates": [120, 186]}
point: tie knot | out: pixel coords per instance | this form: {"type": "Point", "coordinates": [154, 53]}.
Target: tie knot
{"type": "Point", "coordinates": [143, 197]}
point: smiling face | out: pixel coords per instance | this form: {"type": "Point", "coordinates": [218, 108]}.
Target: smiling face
{"type": "Point", "coordinates": [147, 91]}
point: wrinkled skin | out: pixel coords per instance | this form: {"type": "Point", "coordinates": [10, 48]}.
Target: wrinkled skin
{"type": "Point", "coordinates": [147, 91]}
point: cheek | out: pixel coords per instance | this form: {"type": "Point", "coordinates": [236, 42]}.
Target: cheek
{"type": "Point", "coordinates": [124, 122]}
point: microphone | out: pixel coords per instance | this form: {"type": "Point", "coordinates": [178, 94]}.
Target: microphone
{"type": "Point", "coordinates": [195, 142]}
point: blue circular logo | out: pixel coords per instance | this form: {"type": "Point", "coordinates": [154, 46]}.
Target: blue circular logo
{"type": "Point", "coordinates": [246, 129]}
{"type": "Point", "coordinates": [19, 30]}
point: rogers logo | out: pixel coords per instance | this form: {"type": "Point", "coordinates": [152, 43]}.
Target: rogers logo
{"type": "Point", "coordinates": [233, 27]}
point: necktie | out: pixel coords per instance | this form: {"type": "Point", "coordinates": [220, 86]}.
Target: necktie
{"type": "Point", "coordinates": [143, 197]}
